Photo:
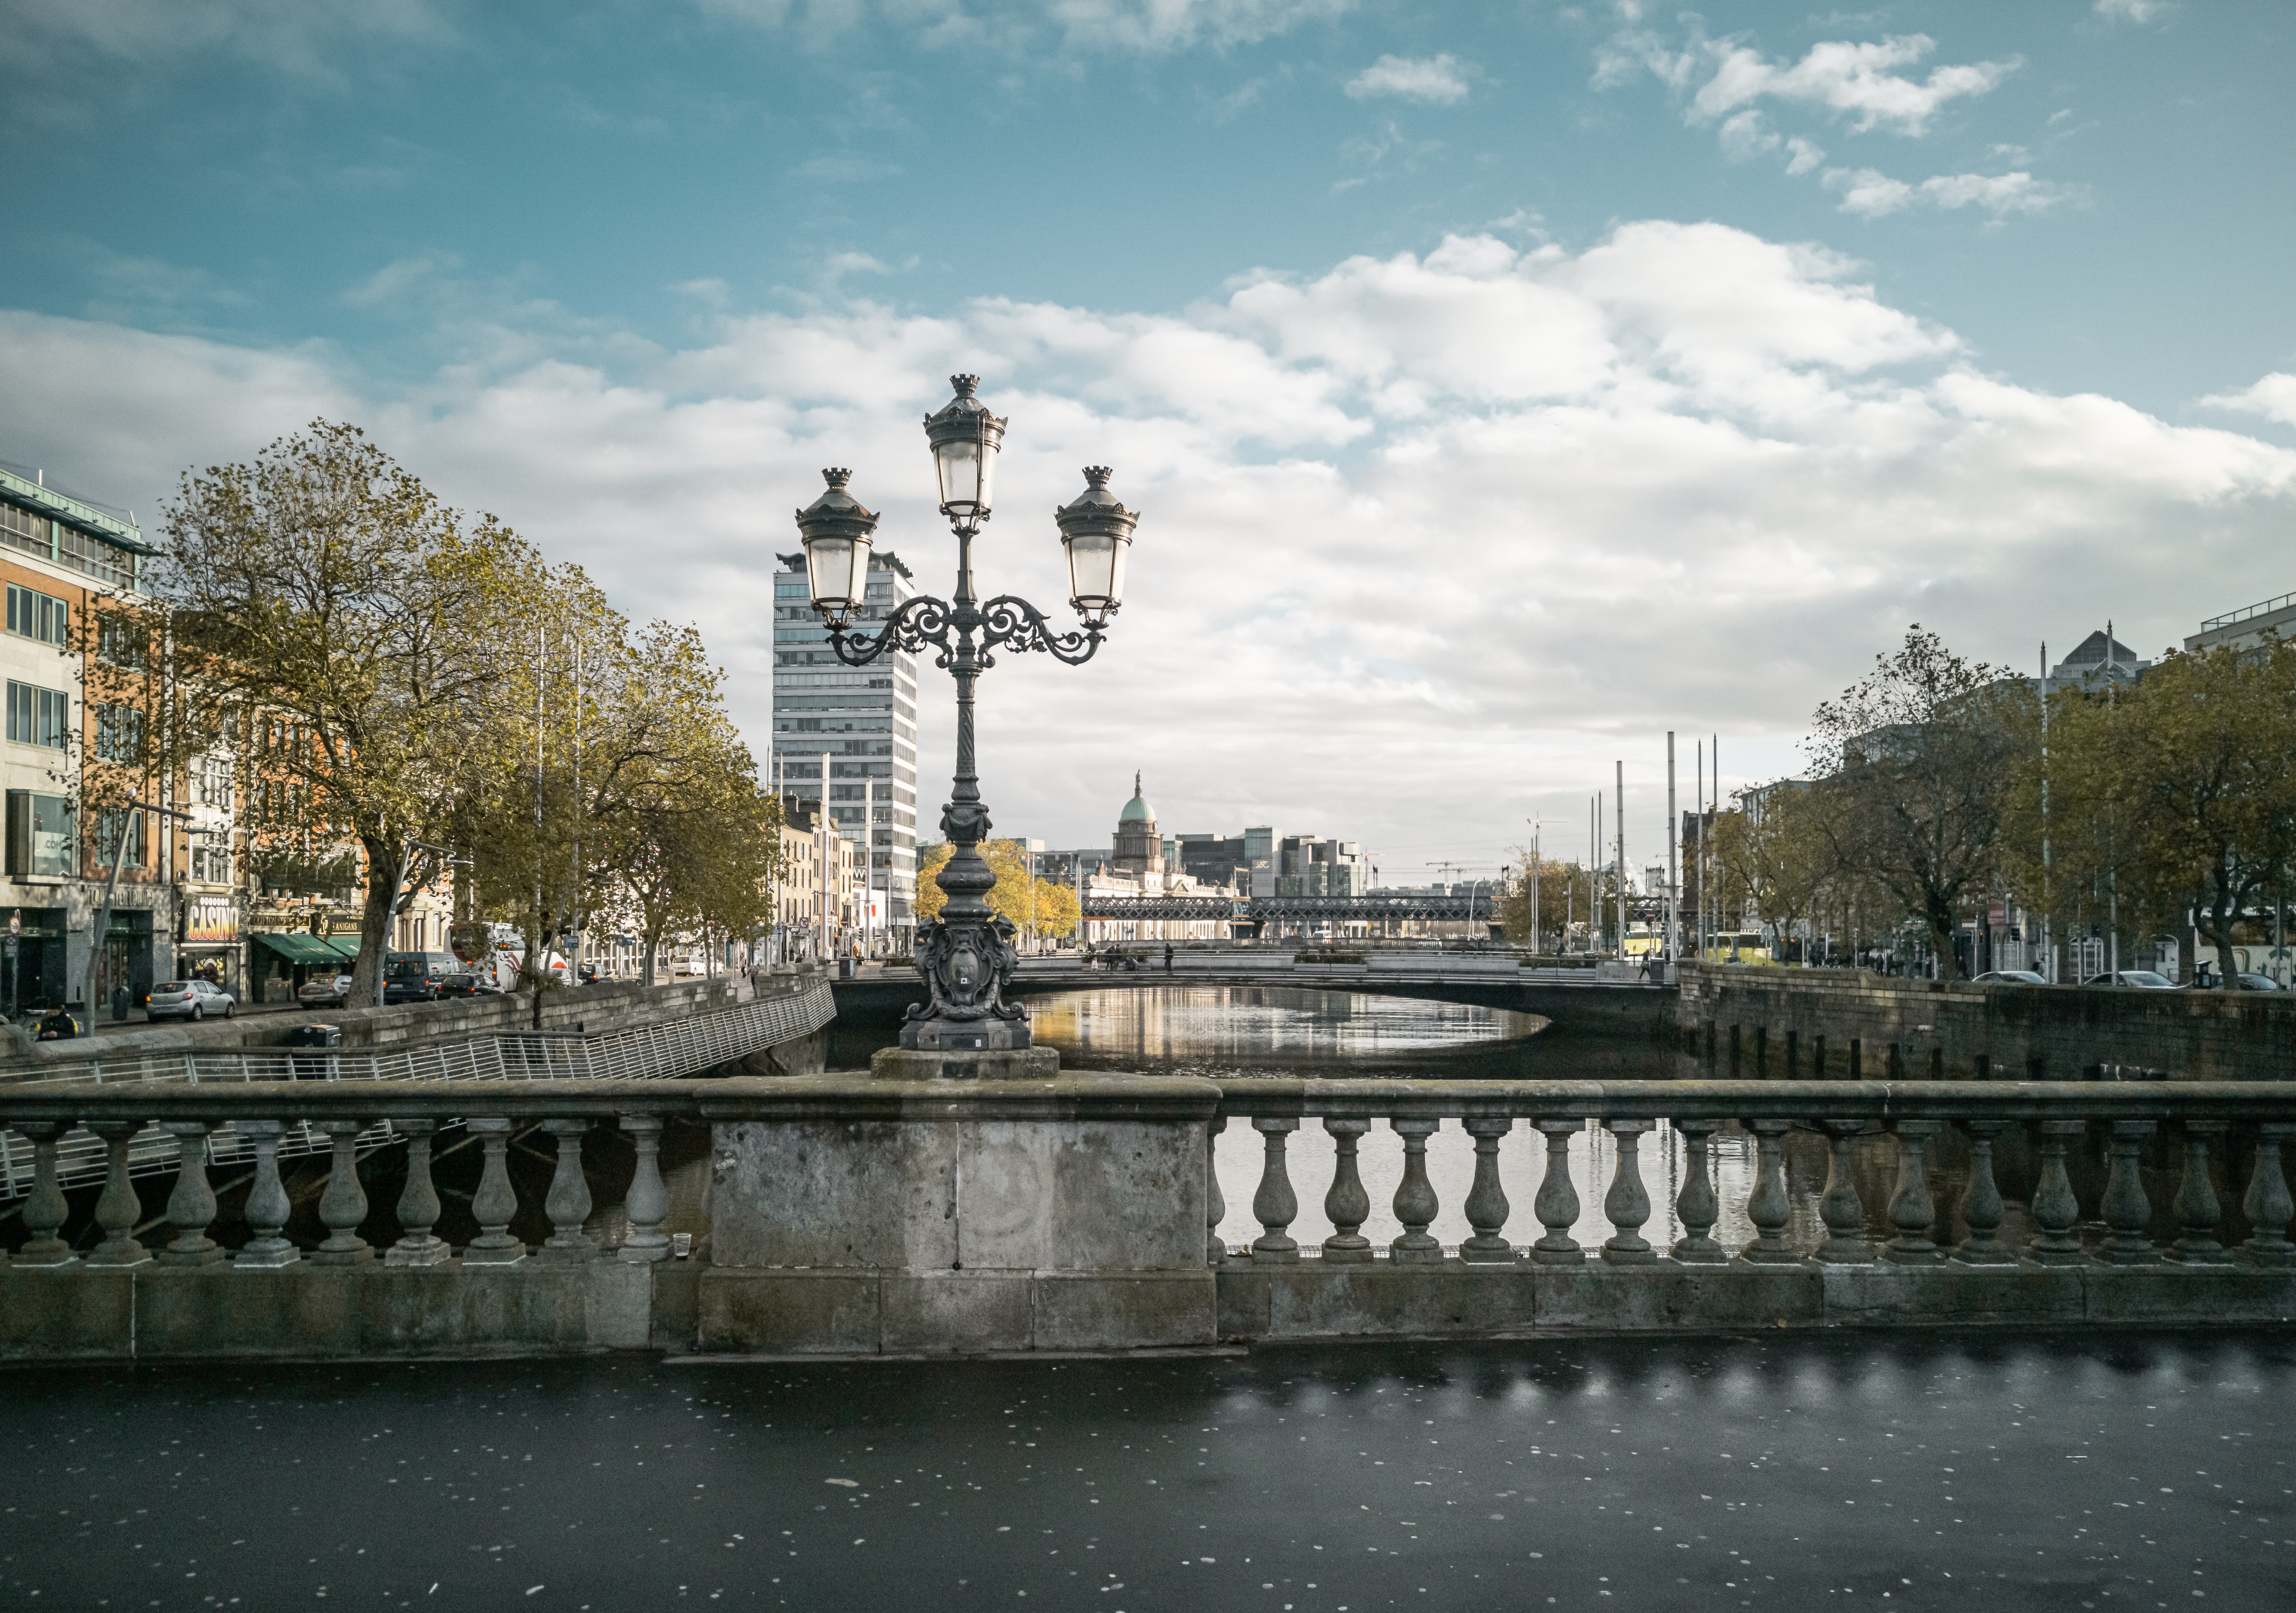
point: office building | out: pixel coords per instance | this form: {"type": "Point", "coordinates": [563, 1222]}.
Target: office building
{"type": "Point", "coordinates": [859, 724]}
{"type": "Point", "coordinates": [2247, 627]}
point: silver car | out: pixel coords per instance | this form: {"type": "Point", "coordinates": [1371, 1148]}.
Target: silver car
{"type": "Point", "coordinates": [193, 999]}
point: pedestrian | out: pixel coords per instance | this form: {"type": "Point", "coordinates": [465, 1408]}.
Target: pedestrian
{"type": "Point", "coordinates": [1167, 957]}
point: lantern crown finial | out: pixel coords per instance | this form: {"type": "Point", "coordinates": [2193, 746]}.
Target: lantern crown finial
{"type": "Point", "coordinates": [837, 478]}
{"type": "Point", "coordinates": [965, 384]}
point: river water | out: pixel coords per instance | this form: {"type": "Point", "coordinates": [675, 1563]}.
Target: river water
{"type": "Point", "coordinates": [2026, 1472]}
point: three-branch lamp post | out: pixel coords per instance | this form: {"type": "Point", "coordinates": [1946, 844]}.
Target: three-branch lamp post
{"type": "Point", "coordinates": [966, 956]}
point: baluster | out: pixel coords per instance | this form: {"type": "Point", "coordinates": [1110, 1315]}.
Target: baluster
{"type": "Point", "coordinates": [496, 1201]}
{"type": "Point", "coordinates": [647, 1203]}
{"type": "Point", "coordinates": [1274, 1206]}
{"type": "Point", "coordinates": [2056, 1210]}
{"type": "Point", "coordinates": [118, 1209]}
{"type": "Point", "coordinates": [1347, 1205]}
{"type": "Point", "coordinates": [192, 1206]}
{"type": "Point", "coordinates": [2126, 1210]}
{"type": "Point", "coordinates": [1628, 1203]}
{"type": "Point", "coordinates": [1557, 1205]}
{"type": "Point", "coordinates": [418, 1202]}
{"type": "Point", "coordinates": [46, 1209]}
{"type": "Point", "coordinates": [1912, 1209]}
{"type": "Point", "coordinates": [1487, 1204]}
{"type": "Point", "coordinates": [2197, 1205]}
{"type": "Point", "coordinates": [1696, 1204]}
{"type": "Point", "coordinates": [568, 1202]}
{"type": "Point", "coordinates": [343, 1204]}
{"type": "Point", "coordinates": [1767, 1206]}
{"type": "Point", "coordinates": [1416, 1204]}
{"type": "Point", "coordinates": [1840, 1207]}
{"type": "Point", "coordinates": [2267, 1203]}
{"type": "Point", "coordinates": [268, 1205]}
{"type": "Point", "coordinates": [1215, 1204]}
{"type": "Point", "coordinates": [1980, 1200]}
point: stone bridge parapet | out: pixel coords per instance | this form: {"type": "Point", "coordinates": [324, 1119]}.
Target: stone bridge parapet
{"type": "Point", "coordinates": [858, 1214]}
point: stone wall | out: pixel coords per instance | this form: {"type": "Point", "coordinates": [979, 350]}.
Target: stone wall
{"type": "Point", "coordinates": [1847, 1024]}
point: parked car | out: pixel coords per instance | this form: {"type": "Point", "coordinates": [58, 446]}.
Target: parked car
{"type": "Point", "coordinates": [2012, 977]}
{"type": "Point", "coordinates": [2247, 982]}
{"type": "Point", "coordinates": [193, 999]}
{"type": "Point", "coordinates": [469, 983]}
{"type": "Point", "coordinates": [325, 991]}
{"type": "Point", "coordinates": [2142, 979]}
{"type": "Point", "coordinates": [414, 977]}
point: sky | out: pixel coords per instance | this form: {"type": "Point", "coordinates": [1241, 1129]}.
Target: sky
{"type": "Point", "coordinates": [1503, 385]}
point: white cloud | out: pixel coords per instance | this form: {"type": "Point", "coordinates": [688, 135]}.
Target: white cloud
{"type": "Point", "coordinates": [306, 38]}
{"type": "Point", "coordinates": [1873, 194]}
{"type": "Point", "coordinates": [2130, 11]}
{"type": "Point", "coordinates": [1440, 80]}
{"type": "Point", "coordinates": [1147, 28]}
{"type": "Point", "coordinates": [1845, 77]}
{"type": "Point", "coordinates": [1429, 538]}
{"type": "Point", "coordinates": [2274, 398]}
{"type": "Point", "coordinates": [1802, 155]}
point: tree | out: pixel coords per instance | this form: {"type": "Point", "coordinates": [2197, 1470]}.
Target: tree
{"type": "Point", "coordinates": [1773, 853]}
{"type": "Point", "coordinates": [1020, 896]}
{"type": "Point", "coordinates": [1918, 759]}
{"type": "Point", "coordinates": [2180, 789]}
{"type": "Point", "coordinates": [339, 632]}
{"type": "Point", "coordinates": [1565, 893]}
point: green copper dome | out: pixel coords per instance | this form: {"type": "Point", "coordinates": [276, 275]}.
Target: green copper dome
{"type": "Point", "coordinates": [1136, 810]}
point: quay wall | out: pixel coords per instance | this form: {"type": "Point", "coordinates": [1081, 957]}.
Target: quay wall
{"type": "Point", "coordinates": [1841, 1023]}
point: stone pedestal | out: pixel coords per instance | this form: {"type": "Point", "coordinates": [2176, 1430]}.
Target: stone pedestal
{"type": "Point", "coordinates": [960, 1202]}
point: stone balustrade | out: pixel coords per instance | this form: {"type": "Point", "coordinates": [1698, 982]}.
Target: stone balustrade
{"type": "Point", "coordinates": [1939, 1254]}
{"type": "Point", "coordinates": [855, 1214]}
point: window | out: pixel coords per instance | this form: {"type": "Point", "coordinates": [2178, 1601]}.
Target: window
{"type": "Point", "coordinates": [19, 528]}
{"type": "Point", "coordinates": [40, 615]}
{"type": "Point", "coordinates": [39, 834]}
{"type": "Point", "coordinates": [120, 642]}
{"type": "Point", "coordinates": [212, 864]}
{"type": "Point", "coordinates": [37, 715]}
{"type": "Point", "coordinates": [119, 733]}
{"type": "Point", "coordinates": [83, 552]}
{"type": "Point", "coordinates": [110, 822]}
{"type": "Point", "coordinates": [212, 780]}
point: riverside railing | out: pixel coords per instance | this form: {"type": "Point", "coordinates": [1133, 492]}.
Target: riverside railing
{"type": "Point", "coordinates": [646, 1052]}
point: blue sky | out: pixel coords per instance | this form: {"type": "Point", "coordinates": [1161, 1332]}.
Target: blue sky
{"type": "Point", "coordinates": [1505, 384]}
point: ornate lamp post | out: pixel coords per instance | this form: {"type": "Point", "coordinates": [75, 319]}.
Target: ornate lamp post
{"type": "Point", "coordinates": [966, 956]}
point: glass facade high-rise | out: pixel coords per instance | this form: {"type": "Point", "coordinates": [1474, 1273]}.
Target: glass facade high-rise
{"type": "Point", "coordinates": [862, 721]}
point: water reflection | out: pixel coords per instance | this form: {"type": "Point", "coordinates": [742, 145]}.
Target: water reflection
{"type": "Point", "coordinates": [1225, 1031]}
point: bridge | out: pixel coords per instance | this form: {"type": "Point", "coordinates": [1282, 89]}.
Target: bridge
{"type": "Point", "coordinates": [1599, 1001]}
{"type": "Point", "coordinates": [1370, 906]}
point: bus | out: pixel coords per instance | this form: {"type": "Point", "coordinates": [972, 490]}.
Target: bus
{"type": "Point", "coordinates": [1738, 946]}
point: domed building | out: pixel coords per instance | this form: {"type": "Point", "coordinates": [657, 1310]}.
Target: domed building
{"type": "Point", "coordinates": [1139, 847]}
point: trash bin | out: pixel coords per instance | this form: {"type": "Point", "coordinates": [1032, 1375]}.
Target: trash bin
{"type": "Point", "coordinates": [313, 1066]}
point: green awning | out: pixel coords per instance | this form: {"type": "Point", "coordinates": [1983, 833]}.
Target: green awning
{"type": "Point", "coordinates": [298, 947]}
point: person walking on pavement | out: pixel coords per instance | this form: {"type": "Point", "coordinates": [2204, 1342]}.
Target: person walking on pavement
{"type": "Point", "coordinates": [1167, 957]}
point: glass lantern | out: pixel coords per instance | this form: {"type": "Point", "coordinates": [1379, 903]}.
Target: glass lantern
{"type": "Point", "coordinates": [965, 437]}
{"type": "Point", "coordinates": [1096, 531]}
{"type": "Point", "coordinates": [838, 535]}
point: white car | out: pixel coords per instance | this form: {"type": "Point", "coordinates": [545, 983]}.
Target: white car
{"type": "Point", "coordinates": [192, 999]}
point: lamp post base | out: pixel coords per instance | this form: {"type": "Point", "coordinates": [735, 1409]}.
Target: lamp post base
{"type": "Point", "coordinates": [965, 1035]}
{"type": "Point", "coordinates": [1005, 1064]}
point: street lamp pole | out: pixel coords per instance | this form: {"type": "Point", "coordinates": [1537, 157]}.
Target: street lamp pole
{"type": "Point", "coordinates": [966, 956]}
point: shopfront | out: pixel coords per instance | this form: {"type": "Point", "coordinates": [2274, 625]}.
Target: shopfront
{"type": "Point", "coordinates": [32, 958]}
{"type": "Point", "coordinates": [283, 961]}
{"type": "Point", "coordinates": [210, 947]}
{"type": "Point", "coordinates": [127, 959]}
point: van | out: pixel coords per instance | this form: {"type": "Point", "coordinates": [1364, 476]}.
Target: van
{"type": "Point", "coordinates": [414, 977]}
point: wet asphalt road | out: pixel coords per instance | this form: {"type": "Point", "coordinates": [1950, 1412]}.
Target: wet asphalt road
{"type": "Point", "coordinates": [1905, 1470]}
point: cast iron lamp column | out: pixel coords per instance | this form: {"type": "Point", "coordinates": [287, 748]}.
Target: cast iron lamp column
{"type": "Point", "coordinates": [966, 956]}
